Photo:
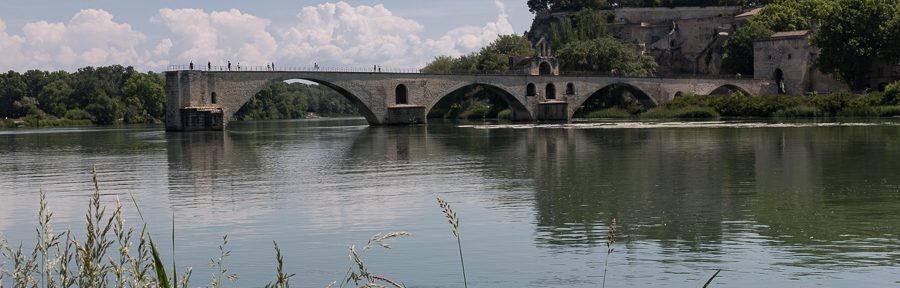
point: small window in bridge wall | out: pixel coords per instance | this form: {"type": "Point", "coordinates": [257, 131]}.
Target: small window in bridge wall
{"type": "Point", "coordinates": [401, 94]}
{"type": "Point", "coordinates": [570, 89]}
{"type": "Point", "coordinates": [551, 91]}
{"type": "Point", "coordinates": [530, 90]}
{"type": "Point", "coordinates": [212, 98]}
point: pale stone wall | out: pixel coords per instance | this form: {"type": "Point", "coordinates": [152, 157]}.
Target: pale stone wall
{"type": "Point", "coordinates": [794, 56]}
{"type": "Point", "coordinates": [374, 93]}
{"type": "Point", "coordinates": [664, 14]}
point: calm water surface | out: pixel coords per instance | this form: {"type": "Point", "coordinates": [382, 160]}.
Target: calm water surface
{"type": "Point", "coordinates": [778, 205]}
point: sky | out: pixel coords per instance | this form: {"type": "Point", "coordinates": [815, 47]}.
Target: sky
{"type": "Point", "coordinates": [150, 35]}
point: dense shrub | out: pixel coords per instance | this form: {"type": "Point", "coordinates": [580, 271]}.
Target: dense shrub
{"type": "Point", "coordinates": [609, 113]}
{"type": "Point", "coordinates": [693, 112]}
{"type": "Point", "coordinates": [799, 112]}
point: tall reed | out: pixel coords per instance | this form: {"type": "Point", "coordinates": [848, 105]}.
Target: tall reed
{"type": "Point", "coordinates": [281, 280]}
{"type": "Point", "coordinates": [454, 222]}
{"type": "Point", "coordinates": [610, 241]}
{"type": "Point", "coordinates": [362, 273]}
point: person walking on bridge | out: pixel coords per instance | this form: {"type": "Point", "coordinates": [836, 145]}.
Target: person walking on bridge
{"type": "Point", "coordinates": [229, 65]}
{"type": "Point", "coordinates": [208, 65]}
{"type": "Point", "coordinates": [192, 65]}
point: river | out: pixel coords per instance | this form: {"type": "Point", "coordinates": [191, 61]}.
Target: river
{"type": "Point", "coordinates": [802, 204]}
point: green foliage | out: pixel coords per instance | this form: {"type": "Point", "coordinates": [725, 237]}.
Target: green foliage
{"type": "Point", "coordinates": [798, 112]}
{"type": "Point", "coordinates": [690, 112]}
{"type": "Point", "coordinates": [493, 58]}
{"type": "Point", "coordinates": [853, 34]}
{"type": "Point", "coordinates": [293, 100]}
{"type": "Point", "coordinates": [505, 114]}
{"type": "Point", "coordinates": [777, 17]}
{"type": "Point", "coordinates": [535, 6]}
{"type": "Point", "coordinates": [892, 94]}
{"type": "Point", "coordinates": [440, 65]}
{"type": "Point", "coordinates": [585, 25]}
{"type": "Point", "coordinates": [103, 95]}
{"type": "Point", "coordinates": [614, 112]}
{"type": "Point", "coordinates": [606, 55]}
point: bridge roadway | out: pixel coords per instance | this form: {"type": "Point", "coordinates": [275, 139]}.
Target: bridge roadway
{"type": "Point", "coordinates": [207, 100]}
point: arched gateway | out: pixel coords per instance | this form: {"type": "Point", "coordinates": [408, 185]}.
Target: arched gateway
{"type": "Point", "coordinates": [207, 100]}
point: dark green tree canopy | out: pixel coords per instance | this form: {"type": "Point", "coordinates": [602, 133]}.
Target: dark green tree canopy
{"type": "Point", "coordinates": [854, 34]}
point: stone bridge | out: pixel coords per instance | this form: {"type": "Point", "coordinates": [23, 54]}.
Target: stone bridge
{"type": "Point", "coordinates": [207, 100]}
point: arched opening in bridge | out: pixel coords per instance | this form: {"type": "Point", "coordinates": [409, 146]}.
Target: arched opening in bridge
{"type": "Point", "coordinates": [570, 89]}
{"type": "Point", "coordinates": [545, 68]}
{"type": "Point", "coordinates": [551, 91]}
{"type": "Point", "coordinates": [478, 101]}
{"type": "Point", "coordinates": [530, 90]}
{"type": "Point", "coordinates": [615, 100]}
{"type": "Point", "coordinates": [727, 89]}
{"type": "Point", "coordinates": [302, 98]}
{"type": "Point", "coordinates": [779, 81]}
{"type": "Point", "coordinates": [678, 94]}
{"type": "Point", "coordinates": [213, 98]}
{"type": "Point", "coordinates": [400, 94]}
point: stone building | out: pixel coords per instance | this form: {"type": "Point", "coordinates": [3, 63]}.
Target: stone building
{"type": "Point", "coordinates": [787, 59]}
{"type": "Point", "coordinates": [542, 63]}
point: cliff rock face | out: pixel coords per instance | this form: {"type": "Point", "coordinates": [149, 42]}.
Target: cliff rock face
{"type": "Point", "coordinates": [683, 40]}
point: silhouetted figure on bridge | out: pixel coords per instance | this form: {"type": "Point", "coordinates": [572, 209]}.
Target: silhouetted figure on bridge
{"type": "Point", "coordinates": [192, 65]}
{"type": "Point", "coordinates": [208, 66]}
{"type": "Point", "coordinates": [229, 65]}
{"type": "Point", "coordinates": [273, 66]}
{"type": "Point", "coordinates": [374, 68]}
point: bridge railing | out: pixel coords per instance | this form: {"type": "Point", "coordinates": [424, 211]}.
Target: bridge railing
{"type": "Point", "coordinates": [343, 69]}
{"type": "Point", "coordinates": [396, 70]}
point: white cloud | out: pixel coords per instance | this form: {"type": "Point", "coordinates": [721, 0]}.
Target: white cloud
{"type": "Point", "coordinates": [363, 35]}
{"type": "Point", "coordinates": [330, 34]}
{"type": "Point", "coordinates": [218, 36]}
{"type": "Point", "coordinates": [91, 37]}
{"type": "Point", "coordinates": [11, 45]}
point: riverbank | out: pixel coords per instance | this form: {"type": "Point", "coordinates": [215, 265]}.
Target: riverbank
{"type": "Point", "coordinates": [29, 122]}
{"type": "Point", "coordinates": [838, 104]}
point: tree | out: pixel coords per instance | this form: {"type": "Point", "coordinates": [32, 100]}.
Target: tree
{"type": "Point", "coordinates": [53, 97]}
{"type": "Point", "coordinates": [585, 25]}
{"type": "Point", "coordinates": [495, 57]}
{"type": "Point", "coordinates": [778, 17]}
{"type": "Point", "coordinates": [150, 96]}
{"type": "Point", "coordinates": [853, 35]}
{"type": "Point", "coordinates": [605, 55]}
{"type": "Point", "coordinates": [440, 65]}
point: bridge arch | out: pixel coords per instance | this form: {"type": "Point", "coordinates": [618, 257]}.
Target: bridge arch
{"type": "Point", "coordinates": [605, 97]}
{"type": "Point", "coordinates": [361, 106]}
{"type": "Point", "coordinates": [519, 111]}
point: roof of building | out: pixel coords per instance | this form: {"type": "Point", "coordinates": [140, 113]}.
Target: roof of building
{"type": "Point", "coordinates": [748, 13]}
{"type": "Point", "coordinates": [797, 33]}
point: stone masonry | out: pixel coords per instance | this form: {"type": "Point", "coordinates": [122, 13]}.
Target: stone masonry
{"type": "Point", "coordinates": [530, 97]}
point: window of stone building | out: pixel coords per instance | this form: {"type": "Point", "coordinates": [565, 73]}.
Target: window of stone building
{"type": "Point", "coordinates": [545, 68]}
{"type": "Point", "coordinates": [530, 90]}
{"type": "Point", "coordinates": [212, 98]}
{"type": "Point", "coordinates": [551, 91]}
{"type": "Point", "coordinates": [570, 89]}
{"type": "Point", "coordinates": [401, 94]}
{"type": "Point", "coordinates": [789, 56]}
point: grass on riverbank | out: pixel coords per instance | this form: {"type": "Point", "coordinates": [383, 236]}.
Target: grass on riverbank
{"type": "Point", "coordinates": [31, 122]}
{"type": "Point", "coordinates": [837, 104]}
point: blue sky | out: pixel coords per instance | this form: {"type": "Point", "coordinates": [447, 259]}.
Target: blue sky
{"type": "Point", "coordinates": [57, 34]}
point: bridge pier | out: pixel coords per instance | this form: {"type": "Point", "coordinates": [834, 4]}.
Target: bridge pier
{"type": "Point", "coordinates": [553, 111]}
{"type": "Point", "coordinates": [406, 114]}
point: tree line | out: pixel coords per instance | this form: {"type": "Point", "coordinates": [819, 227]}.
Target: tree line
{"type": "Point", "coordinates": [117, 94]}
{"type": "Point", "coordinates": [101, 95]}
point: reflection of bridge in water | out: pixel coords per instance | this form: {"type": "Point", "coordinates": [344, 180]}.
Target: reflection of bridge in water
{"type": "Point", "coordinates": [207, 100]}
